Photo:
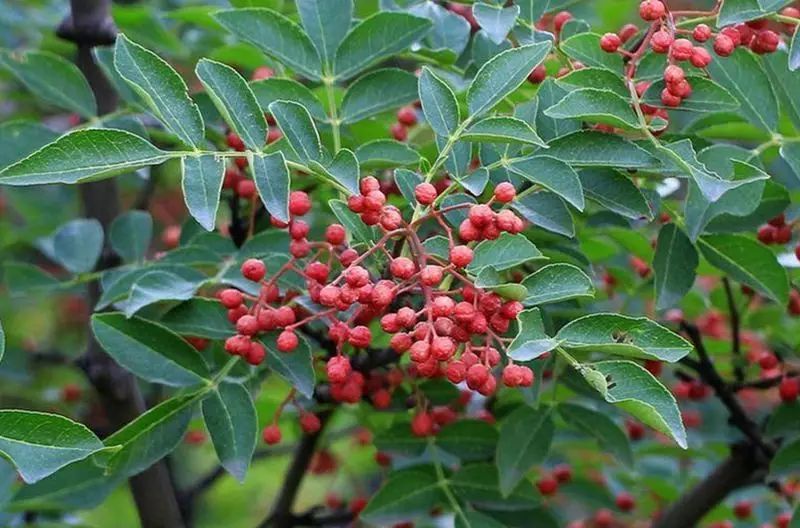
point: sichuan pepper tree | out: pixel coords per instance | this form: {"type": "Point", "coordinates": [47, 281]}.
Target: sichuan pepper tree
{"type": "Point", "coordinates": [495, 264]}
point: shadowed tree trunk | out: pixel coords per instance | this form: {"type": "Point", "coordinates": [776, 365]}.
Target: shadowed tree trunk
{"type": "Point", "coordinates": [90, 24]}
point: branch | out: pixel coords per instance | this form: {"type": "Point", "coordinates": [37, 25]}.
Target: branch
{"type": "Point", "coordinates": [237, 229]}
{"type": "Point", "coordinates": [281, 515]}
{"type": "Point", "coordinates": [736, 347]}
{"type": "Point", "coordinates": [203, 483]}
{"type": "Point", "coordinates": [743, 467]}
{"type": "Point", "coordinates": [311, 518]}
{"type": "Point", "coordinates": [90, 24]}
{"type": "Point", "coordinates": [708, 373]}
{"type": "Point", "coordinates": [766, 383]}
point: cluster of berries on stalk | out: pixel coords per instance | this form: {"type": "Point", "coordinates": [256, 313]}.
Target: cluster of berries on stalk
{"type": "Point", "coordinates": [425, 301]}
{"type": "Point", "coordinates": [666, 36]}
{"type": "Point", "coordinates": [406, 118]}
{"type": "Point", "coordinates": [777, 231]}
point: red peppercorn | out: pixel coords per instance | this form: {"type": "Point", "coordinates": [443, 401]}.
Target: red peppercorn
{"type": "Point", "coordinates": [537, 75]}
{"type": "Point", "coordinates": [627, 32]}
{"type": "Point", "coordinates": [271, 434]}
{"type": "Point", "coordinates": [261, 73]}
{"type": "Point", "coordinates": [407, 116]}
{"type": "Point", "coordinates": [700, 57]}
{"type": "Point", "coordinates": [743, 509]}
{"type": "Point", "coordinates": [610, 42]}
{"type": "Point", "coordinates": [701, 33]}
{"type": "Point", "coordinates": [723, 45]}
{"type": "Point", "coordinates": [442, 348]}
{"type": "Point", "coordinates": [512, 376]}
{"type": "Point", "coordinates": [287, 341]}
{"type": "Point", "coordinates": [400, 342]}
{"type": "Point", "coordinates": [625, 501]}
{"type": "Point", "coordinates": [765, 41]}
{"type": "Point", "coordinates": [357, 505]}
{"type": "Point", "coordinates": [255, 354]}
{"type": "Point", "coordinates": [456, 371]}
{"type": "Point", "coordinates": [681, 89]}
{"type": "Point", "coordinates": [734, 34]}
{"type": "Point", "coordinates": [356, 276]}
{"type": "Point", "coordinates": [422, 424]}
{"type": "Point", "coordinates": [360, 337]}
{"type": "Point", "coordinates": [667, 99]}
{"type": "Point", "coordinates": [273, 135]}
{"type": "Point", "coordinates": [673, 74]}
{"type": "Point", "coordinates": [402, 268]}
{"type": "Point", "coordinates": [247, 325]}
{"type": "Point", "coordinates": [310, 423]}
{"type": "Point", "coordinates": [461, 256]}
{"type": "Point", "coordinates": [766, 234]}
{"type": "Point", "coordinates": [603, 518]}
{"type": "Point", "coordinates": [399, 131]}
{"type": "Point", "coordinates": [477, 375]}
{"type": "Point", "coordinates": [560, 19]}
{"type": "Point", "coordinates": [547, 485]}
{"type": "Point", "coordinates": [253, 269]}
{"type": "Point", "coordinates": [431, 275]}
{"type": "Point", "coordinates": [504, 192]}
{"type": "Point", "coordinates": [234, 141]}
{"type": "Point", "coordinates": [381, 399]}
{"type": "Point", "coordinates": [338, 369]}
{"type": "Point", "coordinates": [681, 49]}
{"type": "Point", "coordinates": [425, 193]}
{"type": "Point", "coordinates": [635, 430]}
{"type": "Point", "coordinates": [231, 298]}
{"type": "Point", "coordinates": [562, 473]}
{"type": "Point", "coordinates": [783, 520]}
{"type": "Point", "coordinates": [767, 360]}
{"type": "Point", "coordinates": [246, 189]}
{"type": "Point", "coordinates": [237, 345]}
{"type": "Point", "coordinates": [335, 234]}
{"type": "Point", "coordinates": [651, 10]}
{"type": "Point", "coordinates": [789, 389]}
{"type": "Point", "coordinates": [661, 41]}
{"type": "Point", "coordinates": [480, 215]}
{"type": "Point", "coordinates": [299, 203]}
{"type": "Point", "coordinates": [299, 229]}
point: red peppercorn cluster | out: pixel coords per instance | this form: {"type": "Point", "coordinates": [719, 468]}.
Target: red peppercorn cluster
{"type": "Point", "coordinates": [483, 223]}
{"type": "Point", "coordinates": [425, 302]}
{"type": "Point", "coordinates": [440, 337]}
{"type": "Point", "coordinates": [406, 118]}
{"type": "Point", "coordinates": [269, 311]}
{"type": "Point", "coordinates": [776, 231]}
{"type": "Point", "coordinates": [663, 38]}
{"type": "Point", "coordinates": [371, 205]}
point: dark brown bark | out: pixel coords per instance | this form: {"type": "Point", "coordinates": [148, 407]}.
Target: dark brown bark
{"type": "Point", "coordinates": [748, 462]}
{"type": "Point", "coordinates": [741, 468]}
{"type": "Point", "coordinates": [90, 24]}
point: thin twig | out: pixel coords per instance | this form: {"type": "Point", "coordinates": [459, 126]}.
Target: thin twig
{"type": "Point", "coordinates": [708, 373]}
{"type": "Point", "coordinates": [736, 347]}
{"type": "Point", "coordinates": [281, 515]}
